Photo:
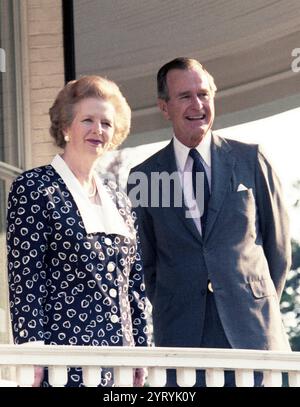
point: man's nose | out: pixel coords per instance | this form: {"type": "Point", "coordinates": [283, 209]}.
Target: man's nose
{"type": "Point", "coordinates": [197, 102]}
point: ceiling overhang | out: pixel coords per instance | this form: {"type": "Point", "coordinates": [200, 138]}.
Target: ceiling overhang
{"type": "Point", "coordinates": [246, 46]}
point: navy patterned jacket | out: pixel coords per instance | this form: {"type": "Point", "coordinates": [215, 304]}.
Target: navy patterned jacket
{"type": "Point", "coordinates": [67, 286]}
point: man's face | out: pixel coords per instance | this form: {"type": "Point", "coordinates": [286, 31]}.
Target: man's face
{"type": "Point", "coordinates": [190, 106]}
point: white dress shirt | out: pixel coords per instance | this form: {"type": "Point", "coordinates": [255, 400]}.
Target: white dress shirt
{"type": "Point", "coordinates": [185, 165]}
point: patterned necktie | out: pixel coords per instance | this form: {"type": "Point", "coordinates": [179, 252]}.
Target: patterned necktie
{"type": "Point", "coordinates": [198, 167]}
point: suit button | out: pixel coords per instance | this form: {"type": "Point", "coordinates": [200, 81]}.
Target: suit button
{"type": "Point", "coordinates": [107, 241]}
{"type": "Point", "coordinates": [111, 266]}
{"type": "Point", "coordinates": [113, 292]}
{"type": "Point", "coordinates": [210, 287]}
{"type": "Point", "coordinates": [114, 318]}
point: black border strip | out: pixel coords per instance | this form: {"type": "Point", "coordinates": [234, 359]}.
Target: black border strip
{"type": "Point", "coordinates": [69, 40]}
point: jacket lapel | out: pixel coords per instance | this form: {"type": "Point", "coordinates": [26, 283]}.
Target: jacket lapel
{"type": "Point", "coordinates": [222, 167]}
{"type": "Point", "coordinates": [167, 162]}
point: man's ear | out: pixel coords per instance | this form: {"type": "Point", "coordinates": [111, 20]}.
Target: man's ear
{"type": "Point", "coordinates": [162, 104]}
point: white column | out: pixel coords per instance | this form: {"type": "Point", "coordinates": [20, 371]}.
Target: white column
{"type": "Point", "coordinates": [186, 376]}
{"type": "Point", "coordinates": [58, 376]}
{"type": "Point", "coordinates": [214, 377]}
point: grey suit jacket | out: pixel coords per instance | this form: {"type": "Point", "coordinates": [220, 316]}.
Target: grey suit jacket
{"type": "Point", "coordinates": [245, 252]}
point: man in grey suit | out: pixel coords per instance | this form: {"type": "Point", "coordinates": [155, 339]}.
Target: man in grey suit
{"type": "Point", "coordinates": [214, 280]}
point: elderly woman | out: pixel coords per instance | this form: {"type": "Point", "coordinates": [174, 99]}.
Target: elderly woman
{"type": "Point", "coordinates": [75, 273]}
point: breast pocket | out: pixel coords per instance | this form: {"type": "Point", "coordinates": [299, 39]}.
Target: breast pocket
{"type": "Point", "coordinates": [262, 288]}
{"type": "Point", "coordinates": [238, 219]}
{"type": "Point", "coordinates": [242, 201]}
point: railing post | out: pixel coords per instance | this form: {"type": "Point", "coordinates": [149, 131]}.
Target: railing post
{"type": "Point", "coordinates": [25, 375]}
{"type": "Point", "coordinates": [123, 376]}
{"type": "Point", "coordinates": [58, 376]}
{"type": "Point", "coordinates": [186, 376]}
{"type": "Point", "coordinates": [244, 378]}
{"type": "Point", "coordinates": [8, 383]}
{"type": "Point", "coordinates": [272, 378]}
{"type": "Point", "coordinates": [157, 376]}
{"type": "Point", "coordinates": [294, 379]}
{"type": "Point", "coordinates": [91, 376]}
{"type": "Point", "coordinates": [214, 377]}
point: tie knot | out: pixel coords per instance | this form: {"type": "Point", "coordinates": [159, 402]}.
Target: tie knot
{"type": "Point", "coordinates": [194, 154]}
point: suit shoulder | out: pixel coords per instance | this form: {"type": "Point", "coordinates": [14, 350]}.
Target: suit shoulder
{"type": "Point", "coordinates": [242, 146]}
{"type": "Point", "coordinates": [148, 163]}
{"type": "Point", "coordinates": [151, 162]}
{"type": "Point", "coordinates": [242, 150]}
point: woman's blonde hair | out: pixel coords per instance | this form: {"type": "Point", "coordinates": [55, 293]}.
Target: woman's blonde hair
{"type": "Point", "coordinates": [62, 111]}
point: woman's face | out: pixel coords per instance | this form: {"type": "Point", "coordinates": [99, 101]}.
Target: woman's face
{"type": "Point", "coordinates": [92, 129]}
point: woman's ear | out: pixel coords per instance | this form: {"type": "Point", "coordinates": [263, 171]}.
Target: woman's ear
{"type": "Point", "coordinates": [66, 134]}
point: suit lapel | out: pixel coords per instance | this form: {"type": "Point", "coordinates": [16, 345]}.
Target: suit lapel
{"type": "Point", "coordinates": [167, 162]}
{"type": "Point", "coordinates": [222, 167]}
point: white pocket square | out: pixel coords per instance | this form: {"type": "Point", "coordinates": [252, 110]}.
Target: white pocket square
{"type": "Point", "coordinates": [241, 187]}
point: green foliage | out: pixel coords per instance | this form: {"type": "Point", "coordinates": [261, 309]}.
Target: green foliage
{"type": "Point", "coordinates": [290, 301]}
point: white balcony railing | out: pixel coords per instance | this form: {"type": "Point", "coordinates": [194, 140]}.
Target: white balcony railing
{"type": "Point", "coordinates": [21, 359]}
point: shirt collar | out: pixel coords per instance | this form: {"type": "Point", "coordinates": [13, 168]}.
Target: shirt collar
{"type": "Point", "coordinates": [182, 151]}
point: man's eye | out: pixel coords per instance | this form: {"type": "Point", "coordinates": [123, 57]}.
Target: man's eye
{"type": "Point", "coordinates": [87, 120]}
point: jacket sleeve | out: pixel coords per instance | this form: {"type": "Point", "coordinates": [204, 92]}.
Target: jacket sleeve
{"type": "Point", "coordinates": [139, 307]}
{"type": "Point", "coordinates": [26, 250]}
{"type": "Point", "coordinates": [138, 301]}
{"type": "Point", "coordinates": [274, 222]}
{"type": "Point", "coordinates": [148, 243]}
